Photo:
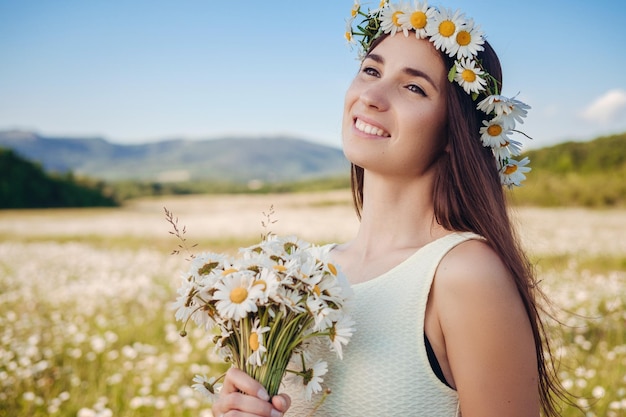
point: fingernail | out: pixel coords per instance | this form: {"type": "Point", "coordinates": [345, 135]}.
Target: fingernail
{"type": "Point", "coordinates": [276, 413]}
{"type": "Point", "coordinates": [262, 394]}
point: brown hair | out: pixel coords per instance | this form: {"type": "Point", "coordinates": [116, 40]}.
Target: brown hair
{"type": "Point", "coordinates": [468, 196]}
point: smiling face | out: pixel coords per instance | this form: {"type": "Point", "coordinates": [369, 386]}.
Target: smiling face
{"type": "Point", "coordinates": [395, 109]}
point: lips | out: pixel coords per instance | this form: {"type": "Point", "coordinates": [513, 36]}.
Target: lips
{"type": "Point", "coordinates": [369, 129]}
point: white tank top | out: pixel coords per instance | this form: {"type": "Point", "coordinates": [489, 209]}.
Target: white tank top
{"type": "Point", "coordinates": [385, 369]}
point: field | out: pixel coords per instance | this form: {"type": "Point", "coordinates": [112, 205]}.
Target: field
{"type": "Point", "coordinates": [86, 328]}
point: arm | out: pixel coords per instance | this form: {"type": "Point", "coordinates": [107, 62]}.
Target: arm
{"type": "Point", "coordinates": [242, 395]}
{"type": "Point", "coordinates": [489, 342]}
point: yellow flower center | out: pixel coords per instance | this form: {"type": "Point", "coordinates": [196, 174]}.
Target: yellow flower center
{"type": "Point", "coordinates": [238, 295]}
{"type": "Point", "coordinates": [382, 4]}
{"type": "Point", "coordinates": [510, 169]}
{"type": "Point", "coordinates": [261, 282]}
{"type": "Point", "coordinates": [468, 75]}
{"type": "Point", "coordinates": [332, 269]}
{"type": "Point", "coordinates": [355, 10]}
{"type": "Point", "coordinates": [254, 341]}
{"type": "Point", "coordinates": [463, 38]}
{"type": "Point", "coordinates": [395, 17]}
{"type": "Point", "coordinates": [280, 268]}
{"type": "Point", "coordinates": [316, 290]}
{"type": "Point", "coordinates": [348, 36]}
{"type": "Point", "coordinates": [418, 20]}
{"type": "Point", "coordinates": [228, 271]}
{"type": "Point", "coordinates": [447, 28]}
{"type": "Point", "coordinates": [494, 130]}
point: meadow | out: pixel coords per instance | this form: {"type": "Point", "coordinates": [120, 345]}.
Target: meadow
{"type": "Point", "coordinates": [86, 327]}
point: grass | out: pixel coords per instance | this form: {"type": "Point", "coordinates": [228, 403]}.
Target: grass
{"type": "Point", "coordinates": [85, 328]}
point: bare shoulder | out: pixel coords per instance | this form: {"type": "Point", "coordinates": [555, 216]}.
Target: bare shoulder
{"type": "Point", "coordinates": [474, 266]}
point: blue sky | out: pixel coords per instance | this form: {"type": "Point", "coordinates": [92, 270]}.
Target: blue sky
{"type": "Point", "coordinates": [136, 71]}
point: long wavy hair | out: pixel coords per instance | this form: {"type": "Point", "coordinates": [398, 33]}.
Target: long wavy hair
{"type": "Point", "coordinates": [468, 197]}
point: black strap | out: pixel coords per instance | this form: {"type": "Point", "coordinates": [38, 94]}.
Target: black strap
{"type": "Point", "coordinates": [434, 363]}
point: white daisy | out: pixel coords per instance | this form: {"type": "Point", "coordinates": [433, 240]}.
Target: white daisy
{"type": "Point", "coordinates": [185, 303]}
{"type": "Point", "coordinates": [517, 110]}
{"type": "Point", "coordinates": [500, 105]}
{"type": "Point", "coordinates": [206, 264]}
{"type": "Point", "coordinates": [468, 41]}
{"type": "Point", "coordinates": [256, 343]}
{"type": "Point", "coordinates": [312, 379]}
{"type": "Point", "coordinates": [355, 10]}
{"type": "Point", "coordinates": [206, 386]}
{"type": "Point", "coordinates": [417, 18]}
{"type": "Point", "coordinates": [469, 76]}
{"type": "Point", "coordinates": [236, 296]}
{"type": "Point", "coordinates": [267, 282]}
{"type": "Point", "coordinates": [506, 150]}
{"type": "Point", "coordinates": [513, 172]}
{"type": "Point", "coordinates": [348, 33]}
{"type": "Point", "coordinates": [390, 19]}
{"type": "Point", "coordinates": [443, 27]}
{"type": "Point", "coordinates": [494, 133]}
{"type": "Point", "coordinates": [340, 334]}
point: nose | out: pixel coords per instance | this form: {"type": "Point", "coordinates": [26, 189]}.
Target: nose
{"type": "Point", "coordinates": [375, 96]}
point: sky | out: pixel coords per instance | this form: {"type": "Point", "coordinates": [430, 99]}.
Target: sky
{"type": "Point", "coordinates": [139, 71]}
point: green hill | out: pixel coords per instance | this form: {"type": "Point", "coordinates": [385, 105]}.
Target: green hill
{"type": "Point", "coordinates": [24, 184]}
{"type": "Point", "coordinates": [589, 174]}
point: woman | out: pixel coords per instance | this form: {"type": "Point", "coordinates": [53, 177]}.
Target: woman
{"type": "Point", "coordinates": [446, 318]}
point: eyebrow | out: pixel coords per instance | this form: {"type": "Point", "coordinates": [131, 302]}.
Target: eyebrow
{"type": "Point", "coordinates": [407, 70]}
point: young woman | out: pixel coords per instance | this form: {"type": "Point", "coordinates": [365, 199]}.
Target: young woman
{"type": "Point", "coordinates": [447, 322]}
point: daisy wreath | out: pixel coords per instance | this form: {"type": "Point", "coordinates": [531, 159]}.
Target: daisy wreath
{"type": "Point", "coordinates": [458, 37]}
{"type": "Point", "coordinates": [271, 310]}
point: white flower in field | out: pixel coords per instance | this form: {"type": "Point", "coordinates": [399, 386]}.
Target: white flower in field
{"type": "Point", "coordinates": [86, 412]}
{"type": "Point", "coordinates": [598, 392]}
{"type": "Point", "coordinates": [206, 386]}
{"type": "Point", "coordinates": [236, 296]}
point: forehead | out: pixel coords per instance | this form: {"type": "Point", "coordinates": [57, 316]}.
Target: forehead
{"type": "Point", "coordinates": [402, 52]}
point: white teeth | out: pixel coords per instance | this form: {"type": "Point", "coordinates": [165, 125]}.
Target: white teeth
{"type": "Point", "coordinates": [369, 129]}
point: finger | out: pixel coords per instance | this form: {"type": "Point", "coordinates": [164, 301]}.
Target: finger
{"type": "Point", "coordinates": [239, 404]}
{"type": "Point", "coordinates": [238, 381]}
{"type": "Point", "coordinates": [281, 402]}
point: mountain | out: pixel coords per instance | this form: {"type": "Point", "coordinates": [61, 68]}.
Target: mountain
{"type": "Point", "coordinates": [24, 184]}
{"type": "Point", "coordinates": [228, 159]}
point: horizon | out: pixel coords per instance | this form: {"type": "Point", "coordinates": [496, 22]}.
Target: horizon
{"type": "Point", "coordinates": [148, 71]}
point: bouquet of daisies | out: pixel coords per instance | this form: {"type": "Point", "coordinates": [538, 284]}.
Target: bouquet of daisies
{"type": "Point", "coordinates": [266, 307]}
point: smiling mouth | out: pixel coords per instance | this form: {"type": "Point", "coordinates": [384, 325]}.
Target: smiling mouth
{"type": "Point", "coordinates": [369, 129]}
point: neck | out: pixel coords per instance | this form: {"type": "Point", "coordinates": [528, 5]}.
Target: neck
{"type": "Point", "coordinates": [397, 214]}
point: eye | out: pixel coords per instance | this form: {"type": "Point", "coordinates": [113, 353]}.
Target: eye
{"type": "Point", "coordinates": [414, 88]}
{"type": "Point", "coordinates": [370, 71]}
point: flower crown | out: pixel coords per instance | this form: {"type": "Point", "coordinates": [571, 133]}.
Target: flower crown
{"type": "Point", "coordinates": [458, 37]}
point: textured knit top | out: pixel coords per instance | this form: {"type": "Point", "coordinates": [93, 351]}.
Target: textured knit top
{"type": "Point", "coordinates": [385, 369]}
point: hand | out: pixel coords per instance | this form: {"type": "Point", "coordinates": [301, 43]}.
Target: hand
{"type": "Point", "coordinates": [241, 395]}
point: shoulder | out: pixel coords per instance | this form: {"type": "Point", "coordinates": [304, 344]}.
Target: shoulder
{"type": "Point", "coordinates": [474, 266]}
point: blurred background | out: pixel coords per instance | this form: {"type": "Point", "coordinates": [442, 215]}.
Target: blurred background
{"type": "Point", "coordinates": [110, 111]}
